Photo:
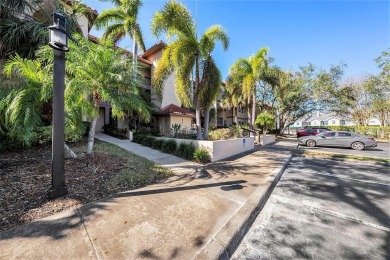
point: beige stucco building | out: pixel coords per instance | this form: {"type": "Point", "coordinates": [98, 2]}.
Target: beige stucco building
{"type": "Point", "coordinates": [169, 110]}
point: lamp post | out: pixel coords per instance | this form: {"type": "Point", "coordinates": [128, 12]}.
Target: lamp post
{"type": "Point", "coordinates": [59, 42]}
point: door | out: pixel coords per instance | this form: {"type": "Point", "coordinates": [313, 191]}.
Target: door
{"type": "Point", "coordinates": [343, 139]}
{"type": "Point", "coordinates": [327, 139]}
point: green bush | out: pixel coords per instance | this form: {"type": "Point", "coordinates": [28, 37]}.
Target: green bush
{"type": "Point", "coordinates": [137, 138]}
{"type": "Point", "coordinates": [201, 156]}
{"type": "Point", "coordinates": [382, 132]}
{"type": "Point", "coordinates": [157, 144]}
{"type": "Point", "coordinates": [186, 151]}
{"type": "Point", "coordinates": [42, 135]}
{"type": "Point", "coordinates": [169, 146]}
{"type": "Point", "coordinates": [148, 141]}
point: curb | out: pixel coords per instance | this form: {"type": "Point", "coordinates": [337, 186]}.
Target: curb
{"type": "Point", "coordinates": [226, 241]}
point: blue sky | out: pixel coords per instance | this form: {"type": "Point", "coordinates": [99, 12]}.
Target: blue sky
{"type": "Point", "coordinates": [297, 32]}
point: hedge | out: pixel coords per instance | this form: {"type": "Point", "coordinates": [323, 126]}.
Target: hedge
{"type": "Point", "coordinates": [185, 151]}
{"type": "Point", "coordinates": [382, 132]}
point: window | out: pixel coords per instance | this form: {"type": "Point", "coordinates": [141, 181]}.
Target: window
{"type": "Point", "coordinates": [333, 122]}
{"type": "Point", "coordinates": [330, 134]}
{"type": "Point", "coordinates": [343, 134]}
{"type": "Point", "coordinates": [298, 123]}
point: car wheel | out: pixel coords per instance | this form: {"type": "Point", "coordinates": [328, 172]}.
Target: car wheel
{"type": "Point", "coordinates": [311, 143]}
{"type": "Point", "coordinates": [357, 146]}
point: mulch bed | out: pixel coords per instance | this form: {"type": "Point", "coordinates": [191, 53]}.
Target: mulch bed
{"type": "Point", "coordinates": [25, 178]}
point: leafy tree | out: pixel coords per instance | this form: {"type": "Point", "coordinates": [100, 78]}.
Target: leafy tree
{"type": "Point", "coordinates": [264, 121]}
{"type": "Point", "coordinates": [380, 98]}
{"type": "Point", "coordinates": [121, 21]}
{"type": "Point", "coordinates": [247, 74]}
{"type": "Point", "coordinates": [383, 63]}
{"type": "Point", "coordinates": [293, 97]}
{"type": "Point", "coordinates": [184, 53]}
{"type": "Point", "coordinates": [23, 27]}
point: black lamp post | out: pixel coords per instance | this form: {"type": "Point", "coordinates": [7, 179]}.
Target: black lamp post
{"type": "Point", "coordinates": [59, 42]}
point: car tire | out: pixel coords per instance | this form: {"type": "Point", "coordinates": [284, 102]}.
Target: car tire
{"type": "Point", "coordinates": [357, 146]}
{"type": "Point", "coordinates": [310, 143]}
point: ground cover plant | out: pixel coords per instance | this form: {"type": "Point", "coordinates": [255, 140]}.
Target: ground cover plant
{"type": "Point", "coordinates": [25, 178]}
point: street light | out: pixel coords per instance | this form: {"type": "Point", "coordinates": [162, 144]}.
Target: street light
{"type": "Point", "coordinates": [59, 42]}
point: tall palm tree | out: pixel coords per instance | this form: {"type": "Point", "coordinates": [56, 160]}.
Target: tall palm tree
{"type": "Point", "coordinates": [184, 53]}
{"type": "Point", "coordinates": [121, 21]}
{"type": "Point", "coordinates": [211, 87]}
{"type": "Point", "coordinates": [248, 72]}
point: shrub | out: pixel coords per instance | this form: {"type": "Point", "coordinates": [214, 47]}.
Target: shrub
{"type": "Point", "coordinates": [375, 131]}
{"type": "Point", "coordinates": [148, 141]}
{"type": "Point", "coordinates": [158, 143]}
{"type": "Point", "coordinates": [169, 146]}
{"type": "Point", "coordinates": [201, 155]}
{"type": "Point", "coordinates": [137, 138]}
{"type": "Point", "coordinates": [186, 151]}
{"type": "Point", "coordinates": [42, 135]}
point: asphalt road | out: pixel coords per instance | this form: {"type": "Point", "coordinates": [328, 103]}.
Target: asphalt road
{"type": "Point", "coordinates": [324, 209]}
{"type": "Point", "coordinates": [381, 151]}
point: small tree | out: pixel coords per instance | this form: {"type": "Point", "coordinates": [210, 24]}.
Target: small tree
{"type": "Point", "coordinates": [264, 121]}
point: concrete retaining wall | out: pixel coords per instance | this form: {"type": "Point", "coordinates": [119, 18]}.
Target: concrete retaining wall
{"type": "Point", "coordinates": [267, 139]}
{"type": "Point", "coordinates": [221, 149]}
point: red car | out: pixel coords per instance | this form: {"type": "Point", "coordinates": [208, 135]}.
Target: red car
{"type": "Point", "coordinates": [312, 131]}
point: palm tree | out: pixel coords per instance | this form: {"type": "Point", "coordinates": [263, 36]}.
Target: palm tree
{"type": "Point", "coordinates": [22, 106]}
{"type": "Point", "coordinates": [23, 100]}
{"type": "Point", "coordinates": [121, 21]}
{"type": "Point", "coordinates": [102, 73]}
{"type": "Point", "coordinates": [23, 27]}
{"type": "Point", "coordinates": [211, 87]}
{"type": "Point", "coordinates": [184, 53]}
{"type": "Point", "coordinates": [247, 73]}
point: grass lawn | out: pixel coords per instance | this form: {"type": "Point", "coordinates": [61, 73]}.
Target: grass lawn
{"type": "Point", "coordinates": [25, 178]}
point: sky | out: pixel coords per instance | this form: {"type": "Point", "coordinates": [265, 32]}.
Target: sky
{"type": "Point", "coordinates": [297, 32]}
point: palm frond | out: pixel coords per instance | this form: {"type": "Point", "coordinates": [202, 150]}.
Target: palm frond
{"type": "Point", "coordinates": [162, 72]}
{"type": "Point", "coordinates": [173, 20]}
{"type": "Point", "coordinates": [210, 37]}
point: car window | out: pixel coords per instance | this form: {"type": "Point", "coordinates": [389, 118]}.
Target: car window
{"type": "Point", "coordinates": [322, 130]}
{"type": "Point", "coordinates": [330, 134]}
{"type": "Point", "coordinates": [344, 134]}
{"type": "Point", "coordinates": [312, 131]}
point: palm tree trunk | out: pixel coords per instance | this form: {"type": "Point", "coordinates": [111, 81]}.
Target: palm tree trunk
{"type": "Point", "coordinates": [253, 114]}
{"type": "Point", "coordinates": [206, 123]}
{"type": "Point", "coordinates": [91, 136]}
{"type": "Point", "coordinates": [69, 152]}
{"type": "Point", "coordinates": [249, 115]}
{"type": "Point", "coordinates": [197, 102]}
{"type": "Point", "coordinates": [135, 56]}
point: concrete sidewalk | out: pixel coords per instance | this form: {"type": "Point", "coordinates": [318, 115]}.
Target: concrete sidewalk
{"type": "Point", "coordinates": [198, 213]}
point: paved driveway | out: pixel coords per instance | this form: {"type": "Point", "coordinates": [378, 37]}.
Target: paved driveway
{"type": "Point", "coordinates": [381, 151]}
{"type": "Point", "coordinates": [324, 209]}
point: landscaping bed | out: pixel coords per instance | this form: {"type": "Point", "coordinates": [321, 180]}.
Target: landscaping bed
{"type": "Point", "coordinates": [25, 178]}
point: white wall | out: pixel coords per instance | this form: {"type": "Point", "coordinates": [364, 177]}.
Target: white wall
{"type": "Point", "coordinates": [219, 150]}
{"type": "Point", "coordinates": [185, 122]}
{"type": "Point", "coordinates": [334, 122]}
{"type": "Point", "coordinates": [169, 95]}
{"type": "Point", "coordinates": [374, 121]}
{"type": "Point", "coordinates": [315, 123]}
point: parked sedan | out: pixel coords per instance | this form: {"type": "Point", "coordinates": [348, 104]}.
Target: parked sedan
{"type": "Point", "coordinates": [338, 139]}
